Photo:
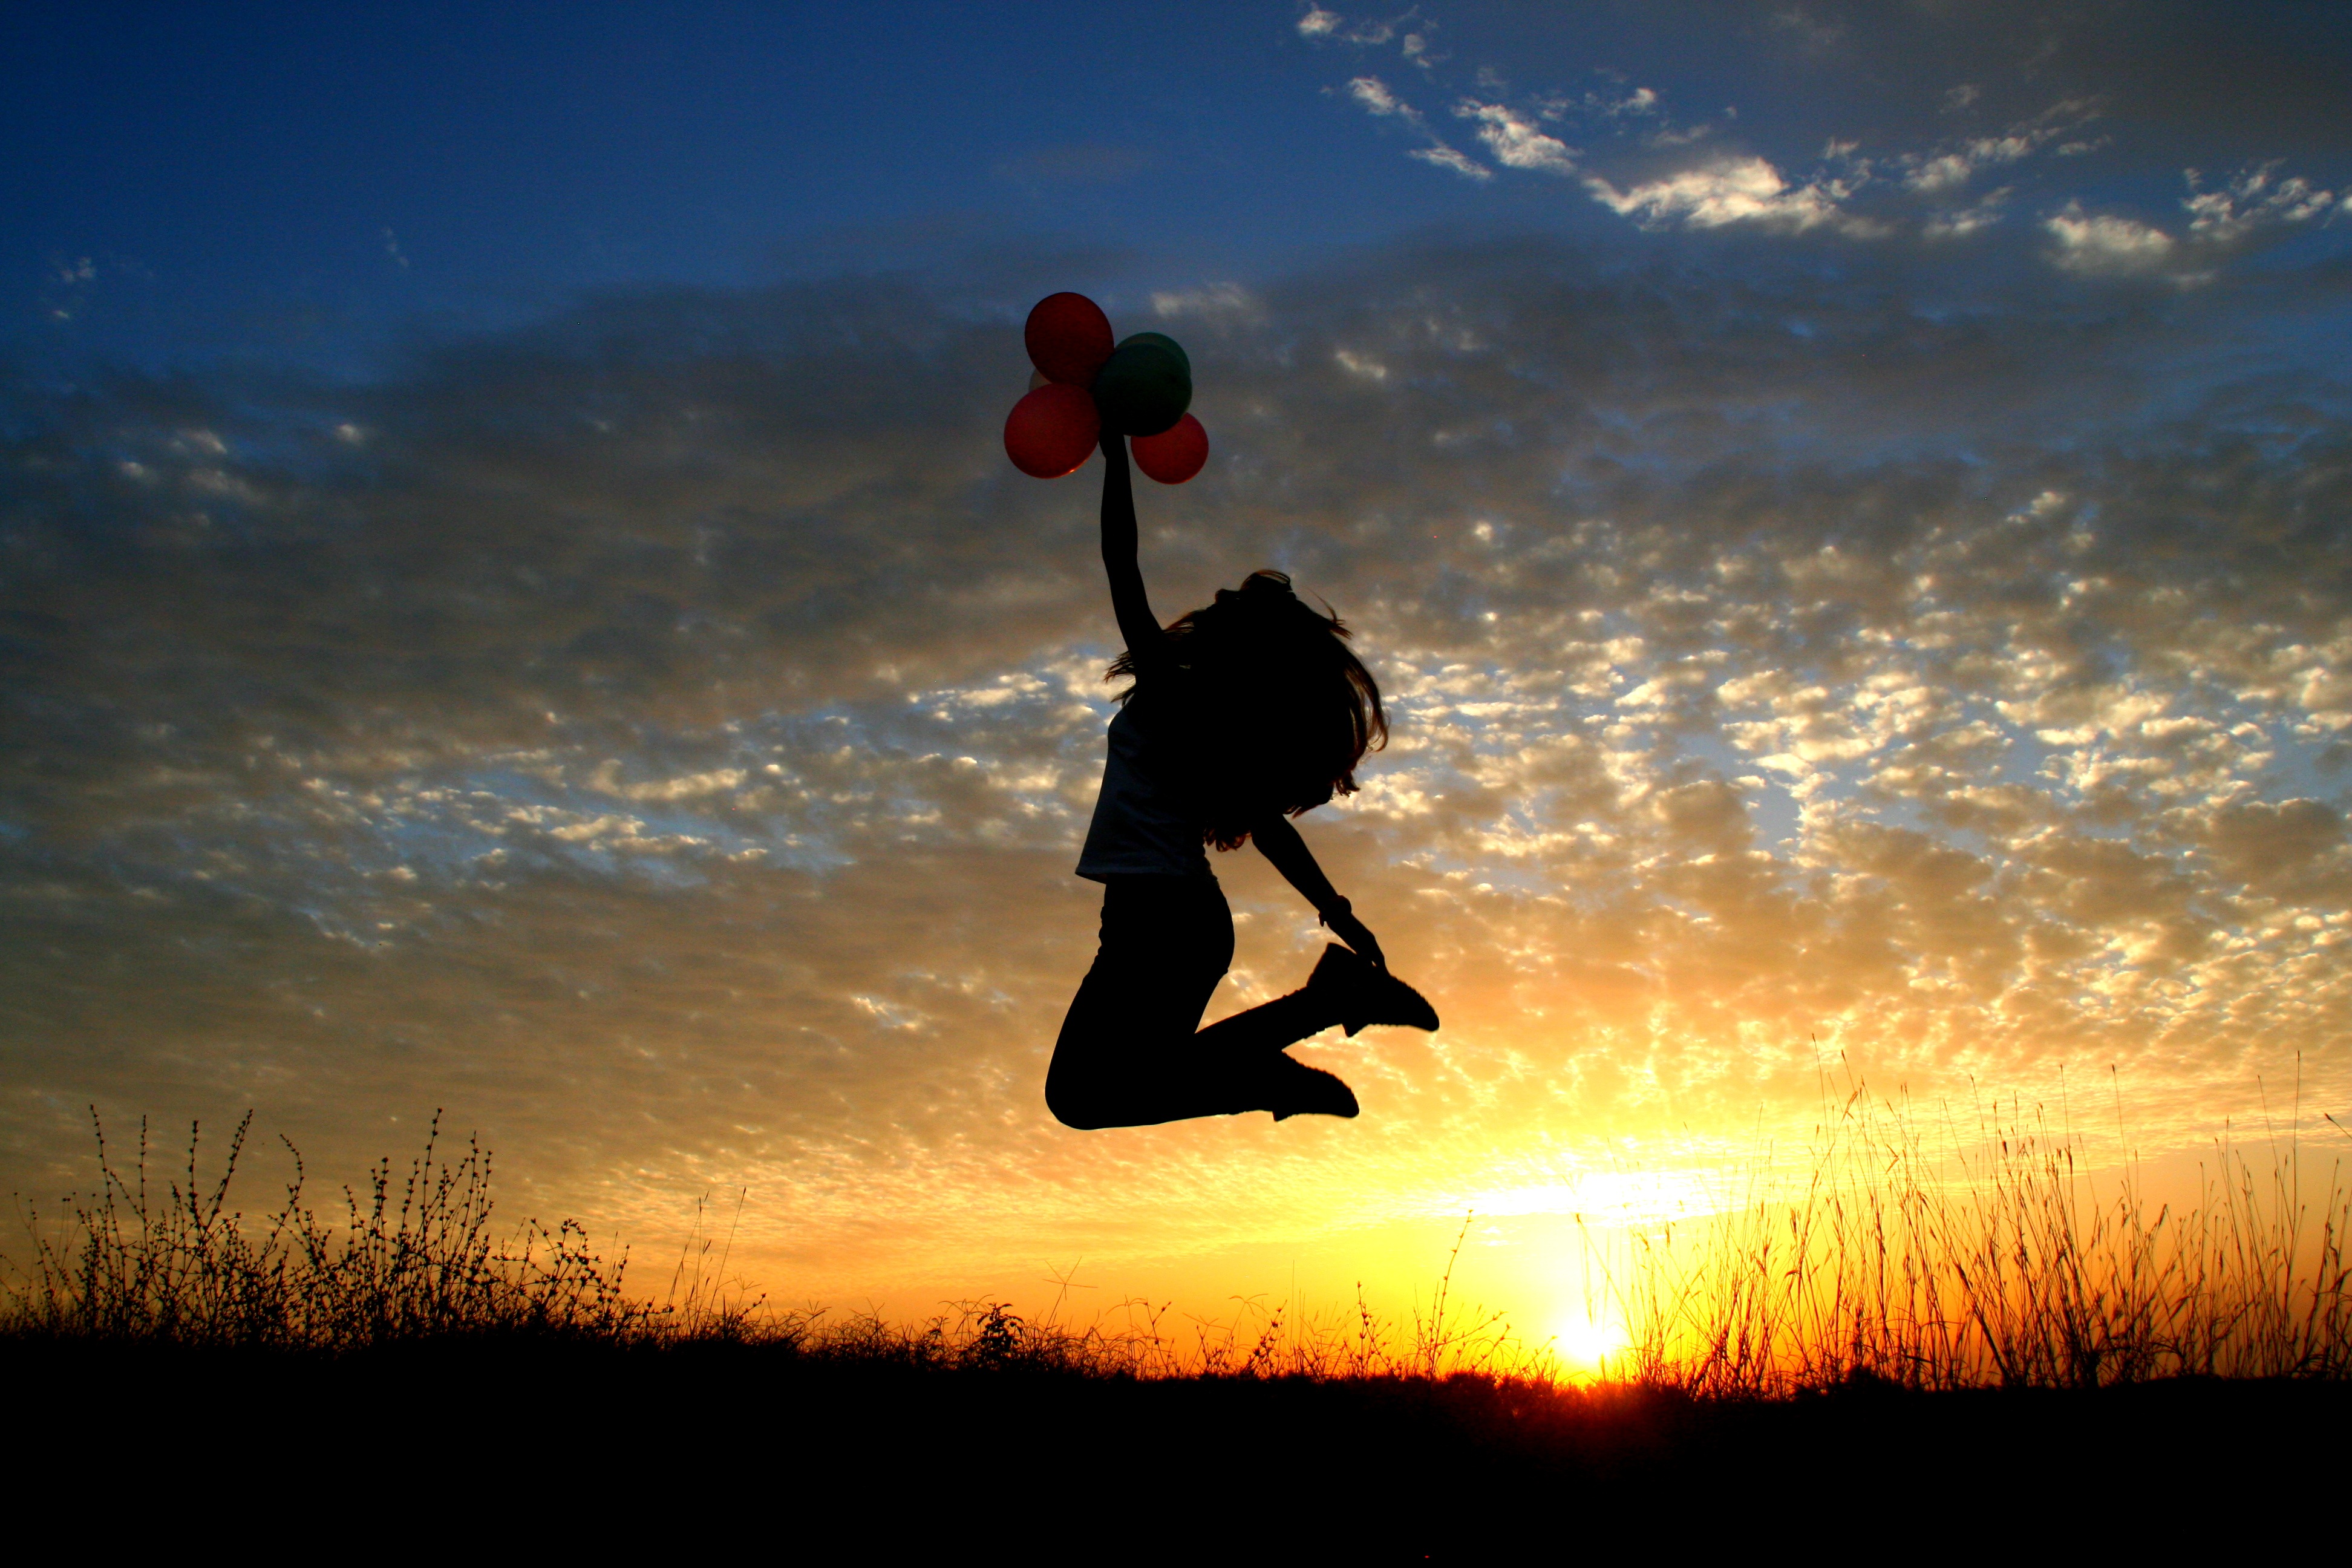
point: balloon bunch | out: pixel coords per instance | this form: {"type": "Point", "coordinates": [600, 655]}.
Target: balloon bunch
{"type": "Point", "coordinates": [1085, 384]}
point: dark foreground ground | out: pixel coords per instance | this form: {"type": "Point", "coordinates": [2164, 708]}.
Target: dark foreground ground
{"type": "Point", "coordinates": [454, 1449]}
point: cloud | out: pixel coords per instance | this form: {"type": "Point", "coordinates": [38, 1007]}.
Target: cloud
{"type": "Point", "coordinates": [1959, 222]}
{"type": "Point", "coordinates": [1218, 305]}
{"type": "Point", "coordinates": [2107, 243]}
{"type": "Point", "coordinates": [1515, 140]}
{"type": "Point", "coordinates": [1642, 100]}
{"type": "Point", "coordinates": [1318, 24]}
{"type": "Point", "coordinates": [1958, 162]}
{"type": "Point", "coordinates": [1817, 33]}
{"type": "Point", "coordinates": [1739, 190]}
{"type": "Point", "coordinates": [2251, 200]}
{"type": "Point", "coordinates": [1949, 171]}
{"type": "Point", "coordinates": [2158, 106]}
{"type": "Point", "coordinates": [1373, 94]}
{"type": "Point", "coordinates": [1446, 157]}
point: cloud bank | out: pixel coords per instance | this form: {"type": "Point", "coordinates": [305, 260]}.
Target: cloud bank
{"type": "Point", "coordinates": [1905, 142]}
{"type": "Point", "coordinates": [663, 735]}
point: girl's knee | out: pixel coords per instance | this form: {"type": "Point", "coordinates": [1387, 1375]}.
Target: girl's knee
{"type": "Point", "coordinates": [1074, 1105]}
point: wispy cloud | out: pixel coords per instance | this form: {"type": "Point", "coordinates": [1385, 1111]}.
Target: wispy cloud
{"type": "Point", "coordinates": [2105, 242]}
{"type": "Point", "coordinates": [1371, 31]}
{"type": "Point", "coordinates": [1735, 191]}
{"type": "Point", "coordinates": [1373, 94]}
{"type": "Point", "coordinates": [1445, 157]}
{"type": "Point", "coordinates": [2251, 200]}
{"type": "Point", "coordinates": [1954, 164]}
{"type": "Point", "coordinates": [1515, 140]}
{"type": "Point", "coordinates": [1218, 304]}
{"type": "Point", "coordinates": [1959, 222]}
{"type": "Point", "coordinates": [1376, 99]}
{"type": "Point", "coordinates": [1912, 179]}
{"type": "Point", "coordinates": [2249, 203]}
{"type": "Point", "coordinates": [1949, 171]}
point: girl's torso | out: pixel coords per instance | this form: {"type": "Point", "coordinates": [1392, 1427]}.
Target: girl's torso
{"type": "Point", "coordinates": [1145, 821]}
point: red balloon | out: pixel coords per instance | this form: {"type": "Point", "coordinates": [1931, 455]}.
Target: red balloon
{"type": "Point", "coordinates": [1052, 431]}
{"type": "Point", "coordinates": [1175, 454]}
{"type": "Point", "coordinates": [1068, 338]}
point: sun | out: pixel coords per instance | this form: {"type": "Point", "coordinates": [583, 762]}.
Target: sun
{"type": "Point", "coordinates": [1585, 1343]}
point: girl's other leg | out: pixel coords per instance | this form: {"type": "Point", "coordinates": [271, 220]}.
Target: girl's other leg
{"type": "Point", "coordinates": [1121, 1059]}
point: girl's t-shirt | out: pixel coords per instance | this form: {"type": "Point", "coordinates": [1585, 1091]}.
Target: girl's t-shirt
{"type": "Point", "coordinates": [1143, 826]}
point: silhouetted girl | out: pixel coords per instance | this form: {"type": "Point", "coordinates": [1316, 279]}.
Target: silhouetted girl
{"type": "Point", "coordinates": [1242, 714]}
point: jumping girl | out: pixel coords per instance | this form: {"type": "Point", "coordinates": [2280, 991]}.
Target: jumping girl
{"type": "Point", "coordinates": [1242, 715]}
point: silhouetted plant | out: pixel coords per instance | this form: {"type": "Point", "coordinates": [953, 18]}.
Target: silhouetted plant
{"type": "Point", "coordinates": [1985, 1262]}
{"type": "Point", "coordinates": [418, 1259]}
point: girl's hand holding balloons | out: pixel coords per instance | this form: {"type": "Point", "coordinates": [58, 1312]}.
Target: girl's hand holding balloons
{"type": "Point", "coordinates": [1091, 387]}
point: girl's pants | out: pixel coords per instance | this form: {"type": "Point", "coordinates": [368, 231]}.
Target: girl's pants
{"type": "Point", "coordinates": [1131, 1052]}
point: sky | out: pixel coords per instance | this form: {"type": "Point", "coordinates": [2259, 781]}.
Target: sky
{"type": "Point", "coordinates": [512, 601]}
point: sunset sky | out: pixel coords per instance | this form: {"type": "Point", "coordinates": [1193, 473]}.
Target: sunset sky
{"type": "Point", "coordinates": [512, 600]}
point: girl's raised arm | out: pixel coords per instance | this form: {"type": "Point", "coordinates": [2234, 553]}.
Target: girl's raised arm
{"type": "Point", "coordinates": [1279, 843]}
{"type": "Point", "coordinates": [1137, 624]}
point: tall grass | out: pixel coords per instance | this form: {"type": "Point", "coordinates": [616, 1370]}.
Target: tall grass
{"type": "Point", "coordinates": [158, 1258]}
{"type": "Point", "coordinates": [1895, 1249]}
{"type": "Point", "coordinates": [152, 1257]}
{"type": "Point", "coordinates": [1937, 1257]}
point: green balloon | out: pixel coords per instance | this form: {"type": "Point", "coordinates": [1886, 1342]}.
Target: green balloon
{"type": "Point", "coordinates": [1165, 342]}
{"type": "Point", "coordinates": [1143, 388]}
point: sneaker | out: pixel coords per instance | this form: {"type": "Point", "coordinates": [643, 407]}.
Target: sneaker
{"type": "Point", "coordinates": [1363, 994]}
{"type": "Point", "coordinates": [1294, 1089]}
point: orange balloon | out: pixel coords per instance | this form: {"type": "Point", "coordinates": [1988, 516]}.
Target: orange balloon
{"type": "Point", "coordinates": [1175, 454]}
{"type": "Point", "coordinates": [1068, 338]}
{"type": "Point", "coordinates": [1052, 431]}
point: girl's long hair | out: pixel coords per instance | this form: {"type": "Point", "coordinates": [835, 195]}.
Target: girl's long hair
{"type": "Point", "coordinates": [1273, 709]}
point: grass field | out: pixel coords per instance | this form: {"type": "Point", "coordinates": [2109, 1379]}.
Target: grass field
{"type": "Point", "coordinates": [1891, 1327]}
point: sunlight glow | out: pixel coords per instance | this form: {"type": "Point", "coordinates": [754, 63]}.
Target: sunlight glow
{"type": "Point", "coordinates": [1586, 1345]}
{"type": "Point", "coordinates": [1612, 1196]}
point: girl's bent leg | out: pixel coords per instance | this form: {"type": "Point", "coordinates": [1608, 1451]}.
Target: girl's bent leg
{"type": "Point", "coordinates": [1122, 1059]}
{"type": "Point", "coordinates": [1125, 1056]}
{"type": "Point", "coordinates": [1128, 1055]}
{"type": "Point", "coordinates": [1267, 1027]}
